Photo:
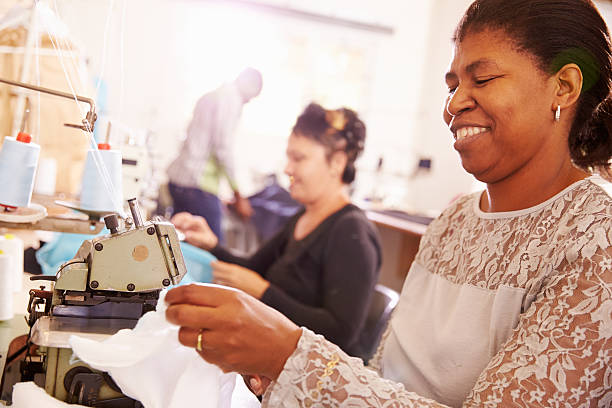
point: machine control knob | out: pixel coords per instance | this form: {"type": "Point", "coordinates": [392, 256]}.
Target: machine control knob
{"type": "Point", "coordinates": [112, 222]}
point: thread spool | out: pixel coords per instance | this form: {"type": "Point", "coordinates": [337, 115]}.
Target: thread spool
{"type": "Point", "coordinates": [13, 247]}
{"type": "Point", "coordinates": [94, 194]}
{"type": "Point", "coordinates": [6, 287]}
{"type": "Point", "coordinates": [18, 160]}
{"type": "Point", "coordinates": [46, 176]}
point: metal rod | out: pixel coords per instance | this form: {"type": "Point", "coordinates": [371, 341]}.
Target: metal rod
{"type": "Point", "coordinates": [108, 132]}
{"type": "Point", "coordinates": [90, 101]}
{"type": "Point", "coordinates": [91, 115]}
{"type": "Point", "coordinates": [26, 113]}
{"type": "Point", "coordinates": [135, 210]}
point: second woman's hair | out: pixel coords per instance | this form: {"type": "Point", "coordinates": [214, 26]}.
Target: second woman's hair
{"type": "Point", "coordinates": [337, 130]}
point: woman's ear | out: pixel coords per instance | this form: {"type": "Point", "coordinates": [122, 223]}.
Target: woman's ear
{"type": "Point", "coordinates": [568, 86]}
{"type": "Point", "coordinates": [338, 162]}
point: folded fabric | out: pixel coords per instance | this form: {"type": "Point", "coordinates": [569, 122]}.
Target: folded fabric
{"type": "Point", "coordinates": [150, 365]}
{"type": "Point", "coordinates": [28, 395]}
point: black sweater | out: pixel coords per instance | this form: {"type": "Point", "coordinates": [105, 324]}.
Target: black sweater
{"type": "Point", "coordinates": [323, 281]}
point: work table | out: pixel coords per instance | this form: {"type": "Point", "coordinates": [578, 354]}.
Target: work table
{"type": "Point", "coordinates": [400, 233]}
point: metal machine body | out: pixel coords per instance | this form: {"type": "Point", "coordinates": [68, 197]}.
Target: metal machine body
{"type": "Point", "coordinates": [111, 282]}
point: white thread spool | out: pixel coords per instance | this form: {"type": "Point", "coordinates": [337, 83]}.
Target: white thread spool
{"type": "Point", "coordinates": [94, 194]}
{"type": "Point", "coordinates": [18, 159]}
{"type": "Point", "coordinates": [13, 247]}
{"type": "Point", "coordinates": [6, 287]}
{"type": "Point", "coordinates": [46, 176]}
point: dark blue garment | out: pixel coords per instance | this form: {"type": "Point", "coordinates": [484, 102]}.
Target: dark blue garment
{"type": "Point", "coordinates": [198, 202]}
{"type": "Point", "coordinates": [272, 207]}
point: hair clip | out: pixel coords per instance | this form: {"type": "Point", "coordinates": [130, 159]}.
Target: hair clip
{"type": "Point", "coordinates": [336, 119]}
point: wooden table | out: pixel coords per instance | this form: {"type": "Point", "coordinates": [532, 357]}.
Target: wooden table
{"type": "Point", "coordinates": [400, 234]}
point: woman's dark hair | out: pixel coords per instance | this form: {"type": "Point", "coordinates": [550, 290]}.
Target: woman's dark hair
{"type": "Point", "coordinates": [556, 33]}
{"type": "Point", "coordinates": [337, 130]}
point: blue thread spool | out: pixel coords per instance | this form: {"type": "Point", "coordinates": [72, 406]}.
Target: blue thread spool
{"type": "Point", "coordinates": [18, 161]}
{"type": "Point", "coordinates": [94, 193]}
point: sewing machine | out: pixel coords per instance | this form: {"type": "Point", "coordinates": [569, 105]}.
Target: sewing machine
{"type": "Point", "coordinates": [111, 282]}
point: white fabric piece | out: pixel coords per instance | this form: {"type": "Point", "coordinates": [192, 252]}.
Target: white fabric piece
{"type": "Point", "coordinates": [150, 365]}
{"type": "Point", "coordinates": [28, 395]}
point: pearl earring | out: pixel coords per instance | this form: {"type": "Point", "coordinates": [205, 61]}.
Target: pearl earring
{"type": "Point", "coordinates": [558, 113]}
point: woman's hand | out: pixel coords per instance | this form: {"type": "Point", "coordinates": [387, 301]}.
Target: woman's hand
{"type": "Point", "coordinates": [256, 383]}
{"type": "Point", "coordinates": [239, 333]}
{"type": "Point", "coordinates": [196, 230]}
{"type": "Point", "coordinates": [239, 277]}
{"type": "Point", "coordinates": [242, 206]}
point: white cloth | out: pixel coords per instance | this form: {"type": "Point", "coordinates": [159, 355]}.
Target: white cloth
{"type": "Point", "coordinates": [28, 395]}
{"type": "Point", "coordinates": [150, 365]}
{"type": "Point", "coordinates": [498, 309]}
{"type": "Point", "coordinates": [211, 131]}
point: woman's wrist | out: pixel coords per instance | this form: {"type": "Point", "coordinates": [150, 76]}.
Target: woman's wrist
{"type": "Point", "coordinates": [285, 350]}
{"type": "Point", "coordinates": [262, 289]}
{"type": "Point", "coordinates": [211, 243]}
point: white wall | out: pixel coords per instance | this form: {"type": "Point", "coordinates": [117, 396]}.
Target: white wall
{"type": "Point", "coordinates": [605, 7]}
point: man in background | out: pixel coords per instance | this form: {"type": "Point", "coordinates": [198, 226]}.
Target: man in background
{"type": "Point", "coordinates": [206, 156]}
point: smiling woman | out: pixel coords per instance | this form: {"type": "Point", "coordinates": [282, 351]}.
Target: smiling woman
{"type": "Point", "coordinates": [508, 300]}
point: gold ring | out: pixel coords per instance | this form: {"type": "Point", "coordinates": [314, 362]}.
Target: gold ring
{"type": "Point", "coordinates": [199, 342]}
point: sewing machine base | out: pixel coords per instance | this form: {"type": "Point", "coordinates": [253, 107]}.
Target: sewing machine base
{"type": "Point", "coordinates": [51, 368]}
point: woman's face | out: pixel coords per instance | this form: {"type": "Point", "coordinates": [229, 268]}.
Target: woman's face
{"type": "Point", "coordinates": [313, 176]}
{"type": "Point", "coordinates": [499, 108]}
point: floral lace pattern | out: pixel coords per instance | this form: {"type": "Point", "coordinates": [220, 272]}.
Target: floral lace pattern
{"type": "Point", "coordinates": [559, 354]}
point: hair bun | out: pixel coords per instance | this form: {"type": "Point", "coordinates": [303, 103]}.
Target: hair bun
{"type": "Point", "coordinates": [593, 147]}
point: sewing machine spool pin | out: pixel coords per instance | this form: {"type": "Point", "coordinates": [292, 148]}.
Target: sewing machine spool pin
{"type": "Point", "coordinates": [135, 210]}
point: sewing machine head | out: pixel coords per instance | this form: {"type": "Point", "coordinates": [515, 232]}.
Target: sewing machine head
{"type": "Point", "coordinates": [112, 281]}
{"type": "Point", "coordinates": [134, 260]}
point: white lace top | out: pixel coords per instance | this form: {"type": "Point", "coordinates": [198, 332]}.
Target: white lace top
{"type": "Point", "coordinates": [509, 308]}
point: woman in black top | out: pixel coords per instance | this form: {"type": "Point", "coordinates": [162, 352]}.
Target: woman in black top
{"type": "Point", "coordinates": [321, 268]}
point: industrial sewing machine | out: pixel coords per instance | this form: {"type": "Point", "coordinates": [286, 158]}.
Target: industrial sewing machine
{"type": "Point", "coordinates": [111, 282]}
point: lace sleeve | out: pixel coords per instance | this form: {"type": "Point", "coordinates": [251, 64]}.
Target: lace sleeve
{"type": "Point", "coordinates": [560, 353]}
{"type": "Point", "coordinates": [319, 374]}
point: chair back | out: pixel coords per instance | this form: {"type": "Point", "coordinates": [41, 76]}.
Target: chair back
{"type": "Point", "coordinates": [383, 302]}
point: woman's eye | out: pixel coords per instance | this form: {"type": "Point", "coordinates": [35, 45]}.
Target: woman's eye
{"type": "Point", "coordinates": [483, 81]}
